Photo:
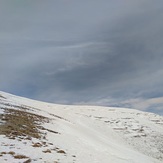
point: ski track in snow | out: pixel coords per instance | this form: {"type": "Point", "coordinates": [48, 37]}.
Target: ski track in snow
{"type": "Point", "coordinates": [78, 134]}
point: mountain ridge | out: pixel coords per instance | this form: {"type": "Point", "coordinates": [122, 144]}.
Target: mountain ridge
{"type": "Point", "coordinates": [34, 131]}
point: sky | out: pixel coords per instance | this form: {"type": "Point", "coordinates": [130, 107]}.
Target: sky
{"type": "Point", "coordinates": [96, 52]}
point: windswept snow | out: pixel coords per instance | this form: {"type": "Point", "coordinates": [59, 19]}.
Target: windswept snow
{"type": "Point", "coordinates": [78, 134]}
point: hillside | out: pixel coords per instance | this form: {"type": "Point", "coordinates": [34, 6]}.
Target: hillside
{"type": "Point", "coordinates": [33, 131]}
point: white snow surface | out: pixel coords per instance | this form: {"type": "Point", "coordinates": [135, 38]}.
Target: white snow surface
{"type": "Point", "coordinates": [87, 134]}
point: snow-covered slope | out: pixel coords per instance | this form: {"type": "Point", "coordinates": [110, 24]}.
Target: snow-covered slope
{"type": "Point", "coordinates": [32, 131]}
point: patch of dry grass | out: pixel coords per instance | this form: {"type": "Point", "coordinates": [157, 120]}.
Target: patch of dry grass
{"type": "Point", "coordinates": [28, 161]}
{"type": "Point", "coordinates": [47, 151]}
{"type": "Point", "coordinates": [20, 156]}
{"type": "Point", "coordinates": [17, 156]}
{"type": "Point", "coordinates": [20, 123]}
{"type": "Point", "coordinates": [61, 151]}
{"type": "Point", "coordinates": [11, 153]}
{"type": "Point", "coordinates": [37, 145]}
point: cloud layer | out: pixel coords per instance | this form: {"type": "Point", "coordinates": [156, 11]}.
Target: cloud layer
{"type": "Point", "coordinates": [100, 52]}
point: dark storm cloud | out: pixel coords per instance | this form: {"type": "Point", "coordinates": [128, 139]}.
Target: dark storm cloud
{"type": "Point", "coordinates": [100, 52]}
